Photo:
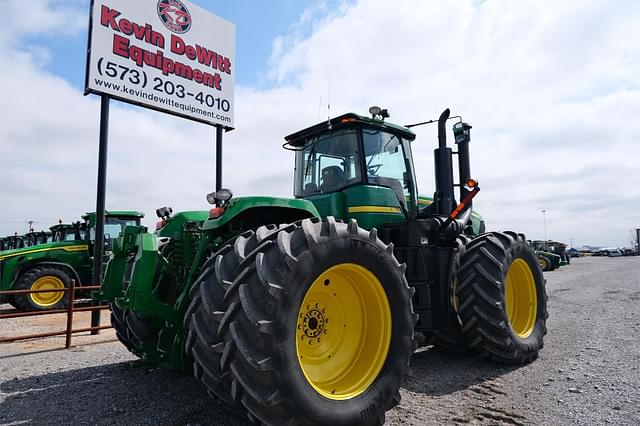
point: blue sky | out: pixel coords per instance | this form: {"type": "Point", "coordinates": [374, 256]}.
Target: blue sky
{"type": "Point", "coordinates": [550, 89]}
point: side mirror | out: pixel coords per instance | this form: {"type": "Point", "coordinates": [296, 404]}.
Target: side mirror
{"type": "Point", "coordinates": [107, 241]}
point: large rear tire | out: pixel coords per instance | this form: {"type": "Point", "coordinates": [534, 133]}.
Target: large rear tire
{"type": "Point", "coordinates": [319, 324]}
{"type": "Point", "coordinates": [503, 301]}
{"type": "Point", "coordinates": [43, 278]}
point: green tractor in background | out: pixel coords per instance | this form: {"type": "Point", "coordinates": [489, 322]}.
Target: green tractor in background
{"type": "Point", "coordinates": [306, 310]}
{"type": "Point", "coordinates": [12, 242]}
{"type": "Point", "coordinates": [548, 259]}
{"type": "Point", "coordinates": [53, 264]}
{"type": "Point", "coordinates": [34, 238]}
{"type": "Point", "coordinates": [560, 249]}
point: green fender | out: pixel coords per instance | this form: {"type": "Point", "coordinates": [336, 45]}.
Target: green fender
{"type": "Point", "coordinates": [265, 210]}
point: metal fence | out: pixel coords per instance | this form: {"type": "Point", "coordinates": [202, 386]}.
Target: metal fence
{"type": "Point", "coordinates": [71, 308]}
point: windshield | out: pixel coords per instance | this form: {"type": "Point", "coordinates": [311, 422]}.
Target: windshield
{"type": "Point", "coordinates": [328, 163]}
{"type": "Point", "coordinates": [114, 226]}
{"type": "Point", "coordinates": [385, 162]}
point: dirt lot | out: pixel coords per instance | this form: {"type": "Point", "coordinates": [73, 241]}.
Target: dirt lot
{"type": "Point", "coordinates": [588, 372]}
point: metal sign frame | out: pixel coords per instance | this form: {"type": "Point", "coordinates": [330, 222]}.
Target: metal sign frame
{"type": "Point", "coordinates": [98, 247]}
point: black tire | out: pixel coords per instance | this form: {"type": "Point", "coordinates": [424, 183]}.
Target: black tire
{"type": "Point", "coordinates": [119, 325]}
{"type": "Point", "coordinates": [483, 301]}
{"type": "Point", "coordinates": [202, 321]}
{"type": "Point", "coordinates": [272, 271]}
{"type": "Point", "coordinates": [11, 300]}
{"type": "Point", "coordinates": [133, 330]}
{"type": "Point", "coordinates": [453, 339]}
{"type": "Point", "coordinates": [29, 302]}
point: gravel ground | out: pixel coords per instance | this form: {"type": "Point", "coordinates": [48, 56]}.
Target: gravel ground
{"type": "Point", "coordinates": [588, 372]}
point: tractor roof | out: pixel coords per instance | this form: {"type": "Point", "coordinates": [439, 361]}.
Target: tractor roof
{"type": "Point", "coordinates": [345, 121]}
{"type": "Point", "coordinates": [61, 226]}
{"type": "Point", "coordinates": [116, 213]}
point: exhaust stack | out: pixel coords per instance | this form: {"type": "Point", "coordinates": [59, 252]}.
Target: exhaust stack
{"type": "Point", "coordinates": [443, 197]}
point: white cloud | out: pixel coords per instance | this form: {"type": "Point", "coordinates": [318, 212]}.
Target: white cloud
{"type": "Point", "coordinates": [550, 88]}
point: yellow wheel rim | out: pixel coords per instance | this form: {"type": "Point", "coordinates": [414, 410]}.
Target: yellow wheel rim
{"type": "Point", "coordinates": [521, 298]}
{"type": "Point", "coordinates": [343, 331]}
{"type": "Point", "coordinates": [542, 262]}
{"type": "Point", "coordinates": [47, 298]}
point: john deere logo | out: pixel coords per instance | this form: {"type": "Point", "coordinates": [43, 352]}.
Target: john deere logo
{"type": "Point", "coordinates": [174, 15]}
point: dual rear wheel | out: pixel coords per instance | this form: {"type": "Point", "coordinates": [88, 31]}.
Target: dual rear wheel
{"type": "Point", "coordinates": [315, 324]}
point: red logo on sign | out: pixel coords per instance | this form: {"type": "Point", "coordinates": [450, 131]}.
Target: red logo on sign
{"type": "Point", "coordinates": [174, 15]}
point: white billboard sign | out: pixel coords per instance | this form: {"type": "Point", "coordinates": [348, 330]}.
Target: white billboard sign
{"type": "Point", "coordinates": [168, 55]}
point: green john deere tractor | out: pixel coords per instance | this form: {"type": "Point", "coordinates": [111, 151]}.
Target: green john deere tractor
{"type": "Point", "coordinates": [305, 310]}
{"type": "Point", "coordinates": [34, 238]}
{"type": "Point", "coordinates": [52, 264]}
{"type": "Point", "coordinates": [560, 249]}
{"type": "Point", "coordinates": [12, 242]}
{"type": "Point", "coordinates": [547, 258]}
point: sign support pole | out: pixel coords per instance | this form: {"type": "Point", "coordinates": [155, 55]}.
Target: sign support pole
{"type": "Point", "coordinates": [218, 157]}
{"type": "Point", "coordinates": [98, 245]}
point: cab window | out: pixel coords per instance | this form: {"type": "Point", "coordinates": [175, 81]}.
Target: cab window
{"type": "Point", "coordinates": [385, 162]}
{"type": "Point", "coordinates": [327, 164]}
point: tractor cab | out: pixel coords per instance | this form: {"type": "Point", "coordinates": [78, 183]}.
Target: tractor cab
{"type": "Point", "coordinates": [352, 166]}
{"type": "Point", "coordinates": [36, 238]}
{"type": "Point", "coordinates": [114, 224]}
{"type": "Point", "coordinates": [356, 167]}
{"type": "Point", "coordinates": [67, 232]}
{"type": "Point", "coordinates": [12, 242]}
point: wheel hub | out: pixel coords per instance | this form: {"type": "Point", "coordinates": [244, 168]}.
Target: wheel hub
{"type": "Point", "coordinates": [313, 324]}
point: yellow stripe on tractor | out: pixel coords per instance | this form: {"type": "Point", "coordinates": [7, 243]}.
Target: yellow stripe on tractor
{"type": "Point", "coordinates": [69, 248]}
{"type": "Point", "coordinates": [374, 209]}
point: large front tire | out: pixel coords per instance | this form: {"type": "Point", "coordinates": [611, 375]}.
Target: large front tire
{"type": "Point", "coordinates": [319, 324]}
{"type": "Point", "coordinates": [503, 301]}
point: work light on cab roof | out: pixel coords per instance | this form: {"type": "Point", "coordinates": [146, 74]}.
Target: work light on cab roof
{"type": "Point", "coordinates": [378, 113]}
